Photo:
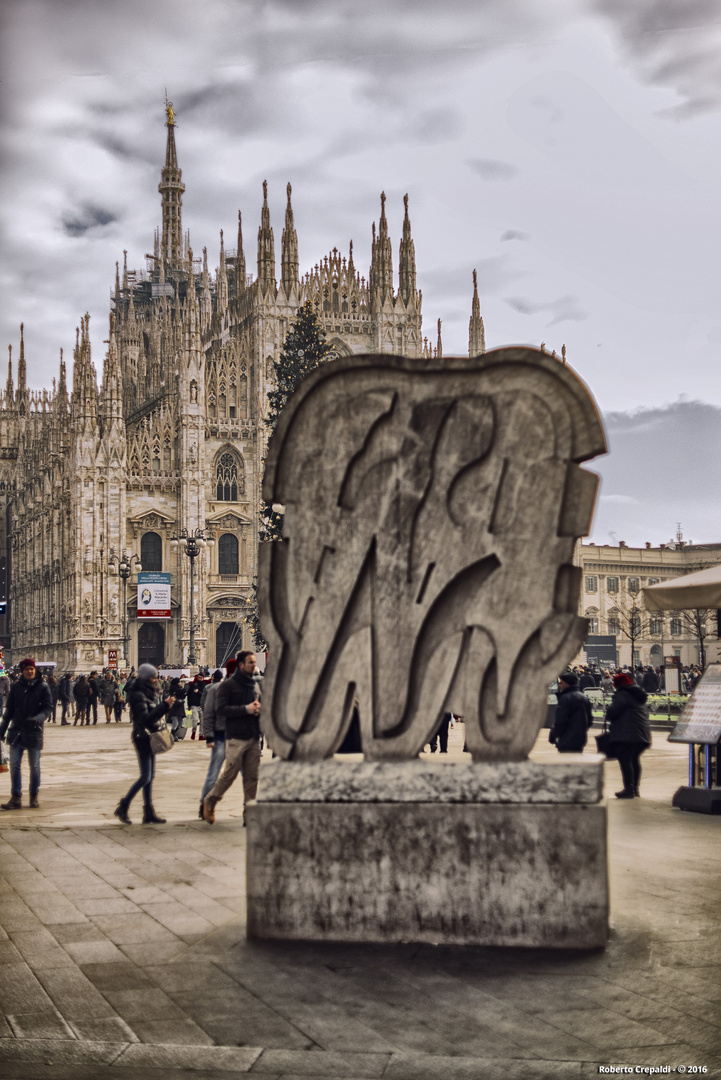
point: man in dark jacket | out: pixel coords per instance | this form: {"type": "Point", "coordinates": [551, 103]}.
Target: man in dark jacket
{"type": "Point", "coordinates": [94, 695]}
{"type": "Point", "coordinates": [238, 704]}
{"type": "Point", "coordinates": [573, 716]}
{"type": "Point", "coordinates": [65, 696]}
{"type": "Point", "coordinates": [650, 681]}
{"type": "Point", "coordinates": [28, 706]}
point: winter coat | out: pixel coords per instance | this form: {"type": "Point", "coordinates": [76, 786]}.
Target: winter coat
{"type": "Point", "coordinates": [29, 704]}
{"type": "Point", "coordinates": [195, 693]}
{"type": "Point", "coordinates": [572, 721]}
{"type": "Point", "coordinates": [107, 692]}
{"type": "Point", "coordinates": [234, 694]}
{"type": "Point", "coordinates": [65, 690]}
{"type": "Point", "coordinates": [650, 682]}
{"type": "Point", "coordinates": [627, 716]}
{"type": "Point", "coordinates": [146, 710]}
{"type": "Point", "coordinates": [179, 693]}
{"type": "Point", "coordinates": [212, 723]}
{"type": "Point", "coordinates": [587, 680]}
{"type": "Point", "coordinates": [5, 685]}
{"type": "Point", "coordinates": [82, 692]}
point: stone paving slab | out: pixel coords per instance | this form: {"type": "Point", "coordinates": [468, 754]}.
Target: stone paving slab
{"type": "Point", "coordinates": [123, 950]}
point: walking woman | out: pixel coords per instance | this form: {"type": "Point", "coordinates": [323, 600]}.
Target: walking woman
{"type": "Point", "coordinates": [146, 713]}
{"type": "Point", "coordinates": [629, 732]}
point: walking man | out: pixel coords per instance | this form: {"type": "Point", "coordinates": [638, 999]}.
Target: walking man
{"type": "Point", "coordinates": [65, 692]}
{"type": "Point", "coordinates": [28, 706]}
{"type": "Point", "coordinates": [213, 728]}
{"type": "Point", "coordinates": [238, 704]}
{"type": "Point", "coordinates": [573, 716]}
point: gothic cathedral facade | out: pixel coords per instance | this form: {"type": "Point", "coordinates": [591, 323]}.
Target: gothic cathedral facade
{"type": "Point", "coordinates": [173, 438]}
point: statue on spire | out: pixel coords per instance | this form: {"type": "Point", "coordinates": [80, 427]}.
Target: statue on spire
{"type": "Point", "coordinates": [169, 112]}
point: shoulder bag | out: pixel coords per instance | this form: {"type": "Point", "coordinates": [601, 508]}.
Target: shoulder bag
{"type": "Point", "coordinates": [161, 740]}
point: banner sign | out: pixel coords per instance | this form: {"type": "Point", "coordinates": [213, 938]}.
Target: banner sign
{"type": "Point", "coordinates": [153, 596]}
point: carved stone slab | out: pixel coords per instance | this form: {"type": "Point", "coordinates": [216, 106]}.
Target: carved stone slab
{"type": "Point", "coordinates": [431, 513]}
{"type": "Point", "coordinates": [572, 778]}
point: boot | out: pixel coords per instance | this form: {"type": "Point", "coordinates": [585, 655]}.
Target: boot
{"type": "Point", "coordinates": [15, 802]}
{"type": "Point", "coordinates": [34, 804]}
{"type": "Point", "coordinates": [626, 794]}
{"type": "Point", "coordinates": [192, 735]}
{"type": "Point", "coordinates": [209, 804]}
{"type": "Point", "coordinates": [121, 812]}
{"type": "Point", "coordinates": [200, 811]}
{"type": "Point", "coordinates": [150, 817]}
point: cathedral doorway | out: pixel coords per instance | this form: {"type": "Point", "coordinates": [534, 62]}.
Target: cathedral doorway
{"type": "Point", "coordinates": [151, 644]}
{"type": "Point", "coordinates": [228, 641]}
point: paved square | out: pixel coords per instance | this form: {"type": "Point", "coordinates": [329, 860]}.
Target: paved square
{"type": "Point", "coordinates": [123, 950]}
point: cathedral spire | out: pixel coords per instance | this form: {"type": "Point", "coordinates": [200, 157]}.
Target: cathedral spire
{"type": "Point", "coordinates": [112, 388]}
{"type": "Point", "coordinates": [239, 260]}
{"type": "Point", "coordinates": [222, 284]}
{"type": "Point", "coordinates": [85, 387]}
{"type": "Point", "coordinates": [9, 391]}
{"type": "Point", "coordinates": [171, 189]}
{"type": "Point", "coordinates": [206, 304]}
{"type": "Point", "coordinates": [382, 260]}
{"type": "Point", "coordinates": [407, 260]}
{"type": "Point", "coordinates": [61, 398]}
{"type": "Point", "coordinates": [289, 257]}
{"type": "Point", "coordinates": [266, 251]}
{"type": "Point", "coordinates": [22, 377]}
{"type": "Point", "coordinates": [439, 343]}
{"type": "Point", "coordinates": [476, 333]}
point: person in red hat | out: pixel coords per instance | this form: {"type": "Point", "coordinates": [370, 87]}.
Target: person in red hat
{"type": "Point", "coordinates": [629, 731]}
{"type": "Point", "coordinates": [28, 706]}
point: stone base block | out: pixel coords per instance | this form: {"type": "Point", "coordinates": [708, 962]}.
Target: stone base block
{"type": "Point", "coordinates": [466, 873]}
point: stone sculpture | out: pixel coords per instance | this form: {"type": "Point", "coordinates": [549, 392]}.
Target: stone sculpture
{"type": "Point", "coordinates": [432, 507]}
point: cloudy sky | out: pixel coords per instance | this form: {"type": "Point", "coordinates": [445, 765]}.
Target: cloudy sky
{"type": "Point", "coordinates": [568, 150]}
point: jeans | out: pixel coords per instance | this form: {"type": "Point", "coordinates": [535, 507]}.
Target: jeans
{"type": "Point", "coordinates": [195, 713]}
{"type": "Point", "coordinates": [217, 757]}
{"type": "Point", "coordinates": [16, 782]}
{"type": "Point", "coordinates": [146, 761]}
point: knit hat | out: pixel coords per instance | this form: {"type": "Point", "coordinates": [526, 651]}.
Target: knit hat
{"type": "Point", "coordinates": [27, 662]}
{"type": "Point", "coordinates": [230, 666]}
{"type": "Point", "coordinates": [147, 671]}
{"type": "Point", "coordinates": [621, 680]}
{"type": "Point", "coordinates": [569, 677]}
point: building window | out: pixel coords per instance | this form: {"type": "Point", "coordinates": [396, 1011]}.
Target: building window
{"type": "Point", "coordinates": [228, 554]}
{"type": "Point", "coordinates": [635, 626]}
{"type": "Point", "coordinates": [653, 581]}
{"type": "Point", "coordinates": [675, 625]}
{"type": "Point", "coordinates": [634, 585]}
{"type": "Point", "coordinates": [151, 552]}
{"type": "Point", "coordinates": [655, 626]}
{"type": "Point", "coordinates": [612, 584]}
{"type": "Point", "coordinates": [592, 583]}
{"type": "Point", "coordinates": [614, 626]}
{"type": "Point", "coordinates": [592, 616]}
{"type": "Point", "coordinates": [226, 478]}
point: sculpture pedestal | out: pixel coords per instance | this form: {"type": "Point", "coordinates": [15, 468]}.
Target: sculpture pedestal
{"type": "Point", "coordinates": [424, 851]}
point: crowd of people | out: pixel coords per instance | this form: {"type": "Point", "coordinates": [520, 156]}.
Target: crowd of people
{"type": "Point", "coordinates": [223, 711]}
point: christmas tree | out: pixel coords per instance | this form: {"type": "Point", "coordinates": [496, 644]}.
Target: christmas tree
{"type": "Point", "coordinates": [303, 351]}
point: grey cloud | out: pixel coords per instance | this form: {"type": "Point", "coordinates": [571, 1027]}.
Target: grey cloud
{"type": "Point", "coordinates": [514, 234]}
{"type": "Point", "coordinates": [673, 44]}
{"type": "Point", "coordinates": [489, 169]}
{"type": "Point", "coordinates": [564, 309]}
{"type": "Point", "coordinates": [656, 473]}
{"type": "Point", "coordinates": [86, 217]}
{"type": "Point", "coordinates": [435, 125]}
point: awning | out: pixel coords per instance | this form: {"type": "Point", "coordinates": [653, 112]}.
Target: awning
{"type": "Point", "coordinates": [699, 590]}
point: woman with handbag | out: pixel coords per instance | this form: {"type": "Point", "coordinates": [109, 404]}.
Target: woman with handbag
{"type": "Point", "coordinates": [146, 716]}
{"type": "Point", "coordinates": [629, 732]}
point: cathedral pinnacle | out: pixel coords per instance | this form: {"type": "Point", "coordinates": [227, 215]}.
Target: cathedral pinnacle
{"type": "Point", "coordinates": [171, 189]}
{"type": "Point", "coordinates": [476, 333]}
{"type": "Point", "coordinates": [266, 250]}
{"type": "Point", "coordinates": [289, 257]}
{"type": "Point", "coordinates": [9, 392]}
{"type": "Point", "coordinates": [407, 260]}
{"type": "Point", "coordinates": [381, 260]}
{"type": "Point", "coordinates": [239, 260]}
{"type": "Point", "coordinates": [21, 363]}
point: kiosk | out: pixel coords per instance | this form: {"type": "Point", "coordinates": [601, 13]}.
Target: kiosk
{"type": "Point", "coordinates": [700, 727]}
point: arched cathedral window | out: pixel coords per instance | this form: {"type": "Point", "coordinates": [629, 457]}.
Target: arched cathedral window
{"type": "Point", "coordinates": [151, 552]}
{"type": "Point", "coordinates": [228, 554]}
{"type": "Point", "coordinates": [226, 478]}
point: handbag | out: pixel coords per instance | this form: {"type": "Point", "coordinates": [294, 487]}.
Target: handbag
{"type": "Point", "coordinates": [161, 740]}
{"type": "Point", "coordinates": [603, 743]}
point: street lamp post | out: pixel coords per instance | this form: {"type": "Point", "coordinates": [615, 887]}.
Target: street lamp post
{"type": "Point", "coordinates": [191, 542]}
{"type": "Point", "coordinates": [122, 565]}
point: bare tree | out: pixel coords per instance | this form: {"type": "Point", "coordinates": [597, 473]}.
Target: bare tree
{"type": "Point", "coordinates": [632, 619]}
{"type": "Point", "coordinates": [696, 621]}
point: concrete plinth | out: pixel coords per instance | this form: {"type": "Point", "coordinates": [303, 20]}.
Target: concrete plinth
{"type": "Point", "coordinates": [480, 868]}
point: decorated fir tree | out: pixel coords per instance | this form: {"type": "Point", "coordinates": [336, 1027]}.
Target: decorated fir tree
{"type": "Point", "coordinates": [304, 350]}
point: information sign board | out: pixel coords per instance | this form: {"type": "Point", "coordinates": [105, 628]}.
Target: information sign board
{"type": "Point", "coordinates": [672, 674]}
{"type": "Point", "coordinates": [700, 721]}
{"type": "Point", "coordinates": [112, 658]}
{"type": "Point", "coordinates": [153, 595]}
